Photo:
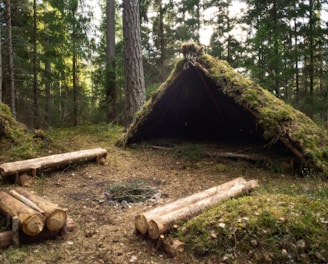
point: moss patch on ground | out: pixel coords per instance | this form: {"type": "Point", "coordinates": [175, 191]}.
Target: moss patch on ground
{"type": "Point", "coordinates": [18, 142]}
{"type": "Point", "coordinates": [262, 228]}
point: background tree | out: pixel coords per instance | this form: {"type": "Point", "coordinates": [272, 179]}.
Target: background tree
{"type": "Point", "coordinates": [134, 75]}
{"type": "Point", "coordinates": [36, 118]}
{"type": "Point", "coordinates": [10, 60]}
{"type": "Point", "coordinates": [1, 73]}
{"type": "Point", "coordinates": [111, 93]}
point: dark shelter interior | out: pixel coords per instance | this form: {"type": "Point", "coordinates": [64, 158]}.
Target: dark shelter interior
{"type": "Point", "coordinates": [195, 107]}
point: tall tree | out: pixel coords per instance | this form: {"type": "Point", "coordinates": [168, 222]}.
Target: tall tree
{"type": "Point", "coordinates": [134, 74]}
{"type": "Point", "coordinates": [1, 73]}
{"type": "Point", "coordinates": [111, 111]}
{"type": "Point", "coordinates": [35, 69]}
{"type": "Point", "coordinates": [10, 60]}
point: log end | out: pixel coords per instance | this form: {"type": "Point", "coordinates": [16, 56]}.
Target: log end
{"type": "Point", "coordinates": [154, 230]}
{"type": "Point", "coordinates": [56, 220]}
{"type": "Point", "coordinates": [141, 224]}
{"type": "Point", "coordinates": [33, 225]}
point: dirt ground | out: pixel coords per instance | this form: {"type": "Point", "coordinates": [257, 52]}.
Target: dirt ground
{"type": "Point", "coordinates": [105, 232]}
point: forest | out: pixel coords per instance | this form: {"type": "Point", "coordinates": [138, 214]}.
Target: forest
{"type": "Point", "coordinates": [225, 82]}
{"type": "Point", "coordinates": [67, 63]}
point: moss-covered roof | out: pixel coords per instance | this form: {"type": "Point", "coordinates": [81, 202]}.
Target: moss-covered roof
{"type": "Point", "coordinates": [206, 98]}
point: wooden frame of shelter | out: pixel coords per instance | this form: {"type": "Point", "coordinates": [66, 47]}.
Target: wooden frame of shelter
{"type": "Point", "coordinates": [206, 98]}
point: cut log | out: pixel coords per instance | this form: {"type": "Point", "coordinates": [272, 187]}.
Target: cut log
{"type": "Point", "coordinates": [6, 238]}
{"type": "Point", "coordinates": [173, 247]}
{"type": "Point", "coordinates": [55, 216]}
{"type": "Point", "coordinates": [160, 224]}
{"type": "Point", "coordinates": [141, 220]}
{"type": "Point", "coordinates": [31, 221]}
{"type": "Point", "coordinates": [53, 161]}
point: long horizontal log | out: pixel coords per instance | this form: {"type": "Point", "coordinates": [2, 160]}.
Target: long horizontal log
{"type": "Point", "coordinates": [31, 221]}
{"type": "Point", "coordinates": [55, 216]}
{"type": "Point", "coordinates": [158, 225]}
{"type": "Point", "coordinates": [52, 161]}
{"type": "Point", "coordinates": [141, 220]}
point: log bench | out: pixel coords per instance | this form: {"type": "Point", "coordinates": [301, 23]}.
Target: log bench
{"type": "Point", "coordinates": [52, 161]}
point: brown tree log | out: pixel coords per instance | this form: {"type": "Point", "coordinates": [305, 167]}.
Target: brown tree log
{"type": "Point", "coordinates": [141, 220]}
{"type": "Point", "coordinates": [55, 216]}
{"type": "Point", "coordinates": [160, 224]}
{"type": "Point", "coordinates": [53, 161]}
{"type": "Point", "coordinates": [31, 221]}
{"type": "Point", "coordinates": [6, 238]}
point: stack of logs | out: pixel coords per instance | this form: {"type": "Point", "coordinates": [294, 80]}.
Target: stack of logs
{"type": "Point", "coordinates": [158, 221]}
{"type": "Point", "coordinates": [33, 218]}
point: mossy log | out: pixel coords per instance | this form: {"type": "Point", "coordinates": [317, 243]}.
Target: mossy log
{"type": "Point", "coordinates": [160, 224]}
{"type": "Point", "coordinates": [56, 217]}
{"type": "Point", "coordinates": [31, 221]}
{"type": "Point", "coordinates": [141, 220]}
{"type": "Point", "coordinates": [52, 161]}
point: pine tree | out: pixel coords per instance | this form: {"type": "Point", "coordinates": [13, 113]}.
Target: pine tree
{"type": "Point", "coordinates": [134, 75]}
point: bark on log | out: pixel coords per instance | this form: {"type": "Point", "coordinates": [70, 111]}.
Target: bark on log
{"type": "Point", "coordinates": [160, 224]}
{"type": "Point", "coordinates": [32, 222]}
{"type": "Point", "coordinates": [141, 220]}
{"type": "Point", "coordinates": [53, 161]}
{"type": "Point", "coordinates": [55, 216]}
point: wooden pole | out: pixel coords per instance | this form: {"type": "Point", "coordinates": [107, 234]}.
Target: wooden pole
{"type": "Point", "coordinates": [161, 223]}
{"type": "Point", "coordinates": [141, 220]}
{"type": "Point", "coordinates": [32, 222]}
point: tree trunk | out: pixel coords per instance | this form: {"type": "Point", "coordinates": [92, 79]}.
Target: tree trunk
{"type": "Point", "coordinates": [142, 220]}
{"type": "Point", "coordinates": [32, 222]}
{"type": "Point", "coordinates": [111, 94]}
{"type": "Point", "coordinates": [10, 61]}
{"type": "Point", "coordinates": [163, 222]}
{"type": "Point", "coordinates": [134, 74]}
{"type": "Point", "coordinates": [35, 70]}
{"type": "Point", "coordinates": [55, 217]}
{"type": "Point", "coordinates": [53, 161]}
{"type": "Point", "coordinates": [48, 114]}
{"type": "Point", "coordinates": [1, 73]}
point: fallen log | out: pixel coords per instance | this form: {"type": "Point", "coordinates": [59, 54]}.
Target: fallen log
{"type": "Point", "coordinates": [141, 220]}
{"type": "Point", "coordinates": [158, 225]}
{"type": "Point", "coordinates": [55, 216]}
{"type": "Point", "coordinates": [53, 161]}
{"type": "Point", "coordinates": [31, 221]}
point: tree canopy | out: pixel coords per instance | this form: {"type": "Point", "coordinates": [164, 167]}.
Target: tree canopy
{"type": "Point", "coordinates": [61, 72]}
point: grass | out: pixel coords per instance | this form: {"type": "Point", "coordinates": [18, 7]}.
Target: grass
{"type": "Point", "coordinates": [261, 228]}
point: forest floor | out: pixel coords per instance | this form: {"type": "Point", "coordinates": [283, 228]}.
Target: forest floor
{"type": "Point", "coordinates": [105, 231]}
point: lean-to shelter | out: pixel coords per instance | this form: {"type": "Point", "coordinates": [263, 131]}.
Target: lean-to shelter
{"type": "Point", "coordinates": [205, 98]}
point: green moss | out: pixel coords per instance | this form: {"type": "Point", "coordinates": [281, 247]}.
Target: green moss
{"type": "Point", "coordinates": [262, 224]}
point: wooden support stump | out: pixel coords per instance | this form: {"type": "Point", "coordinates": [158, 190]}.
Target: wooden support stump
{"type": "Point", "coordinates": [6, 238]}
